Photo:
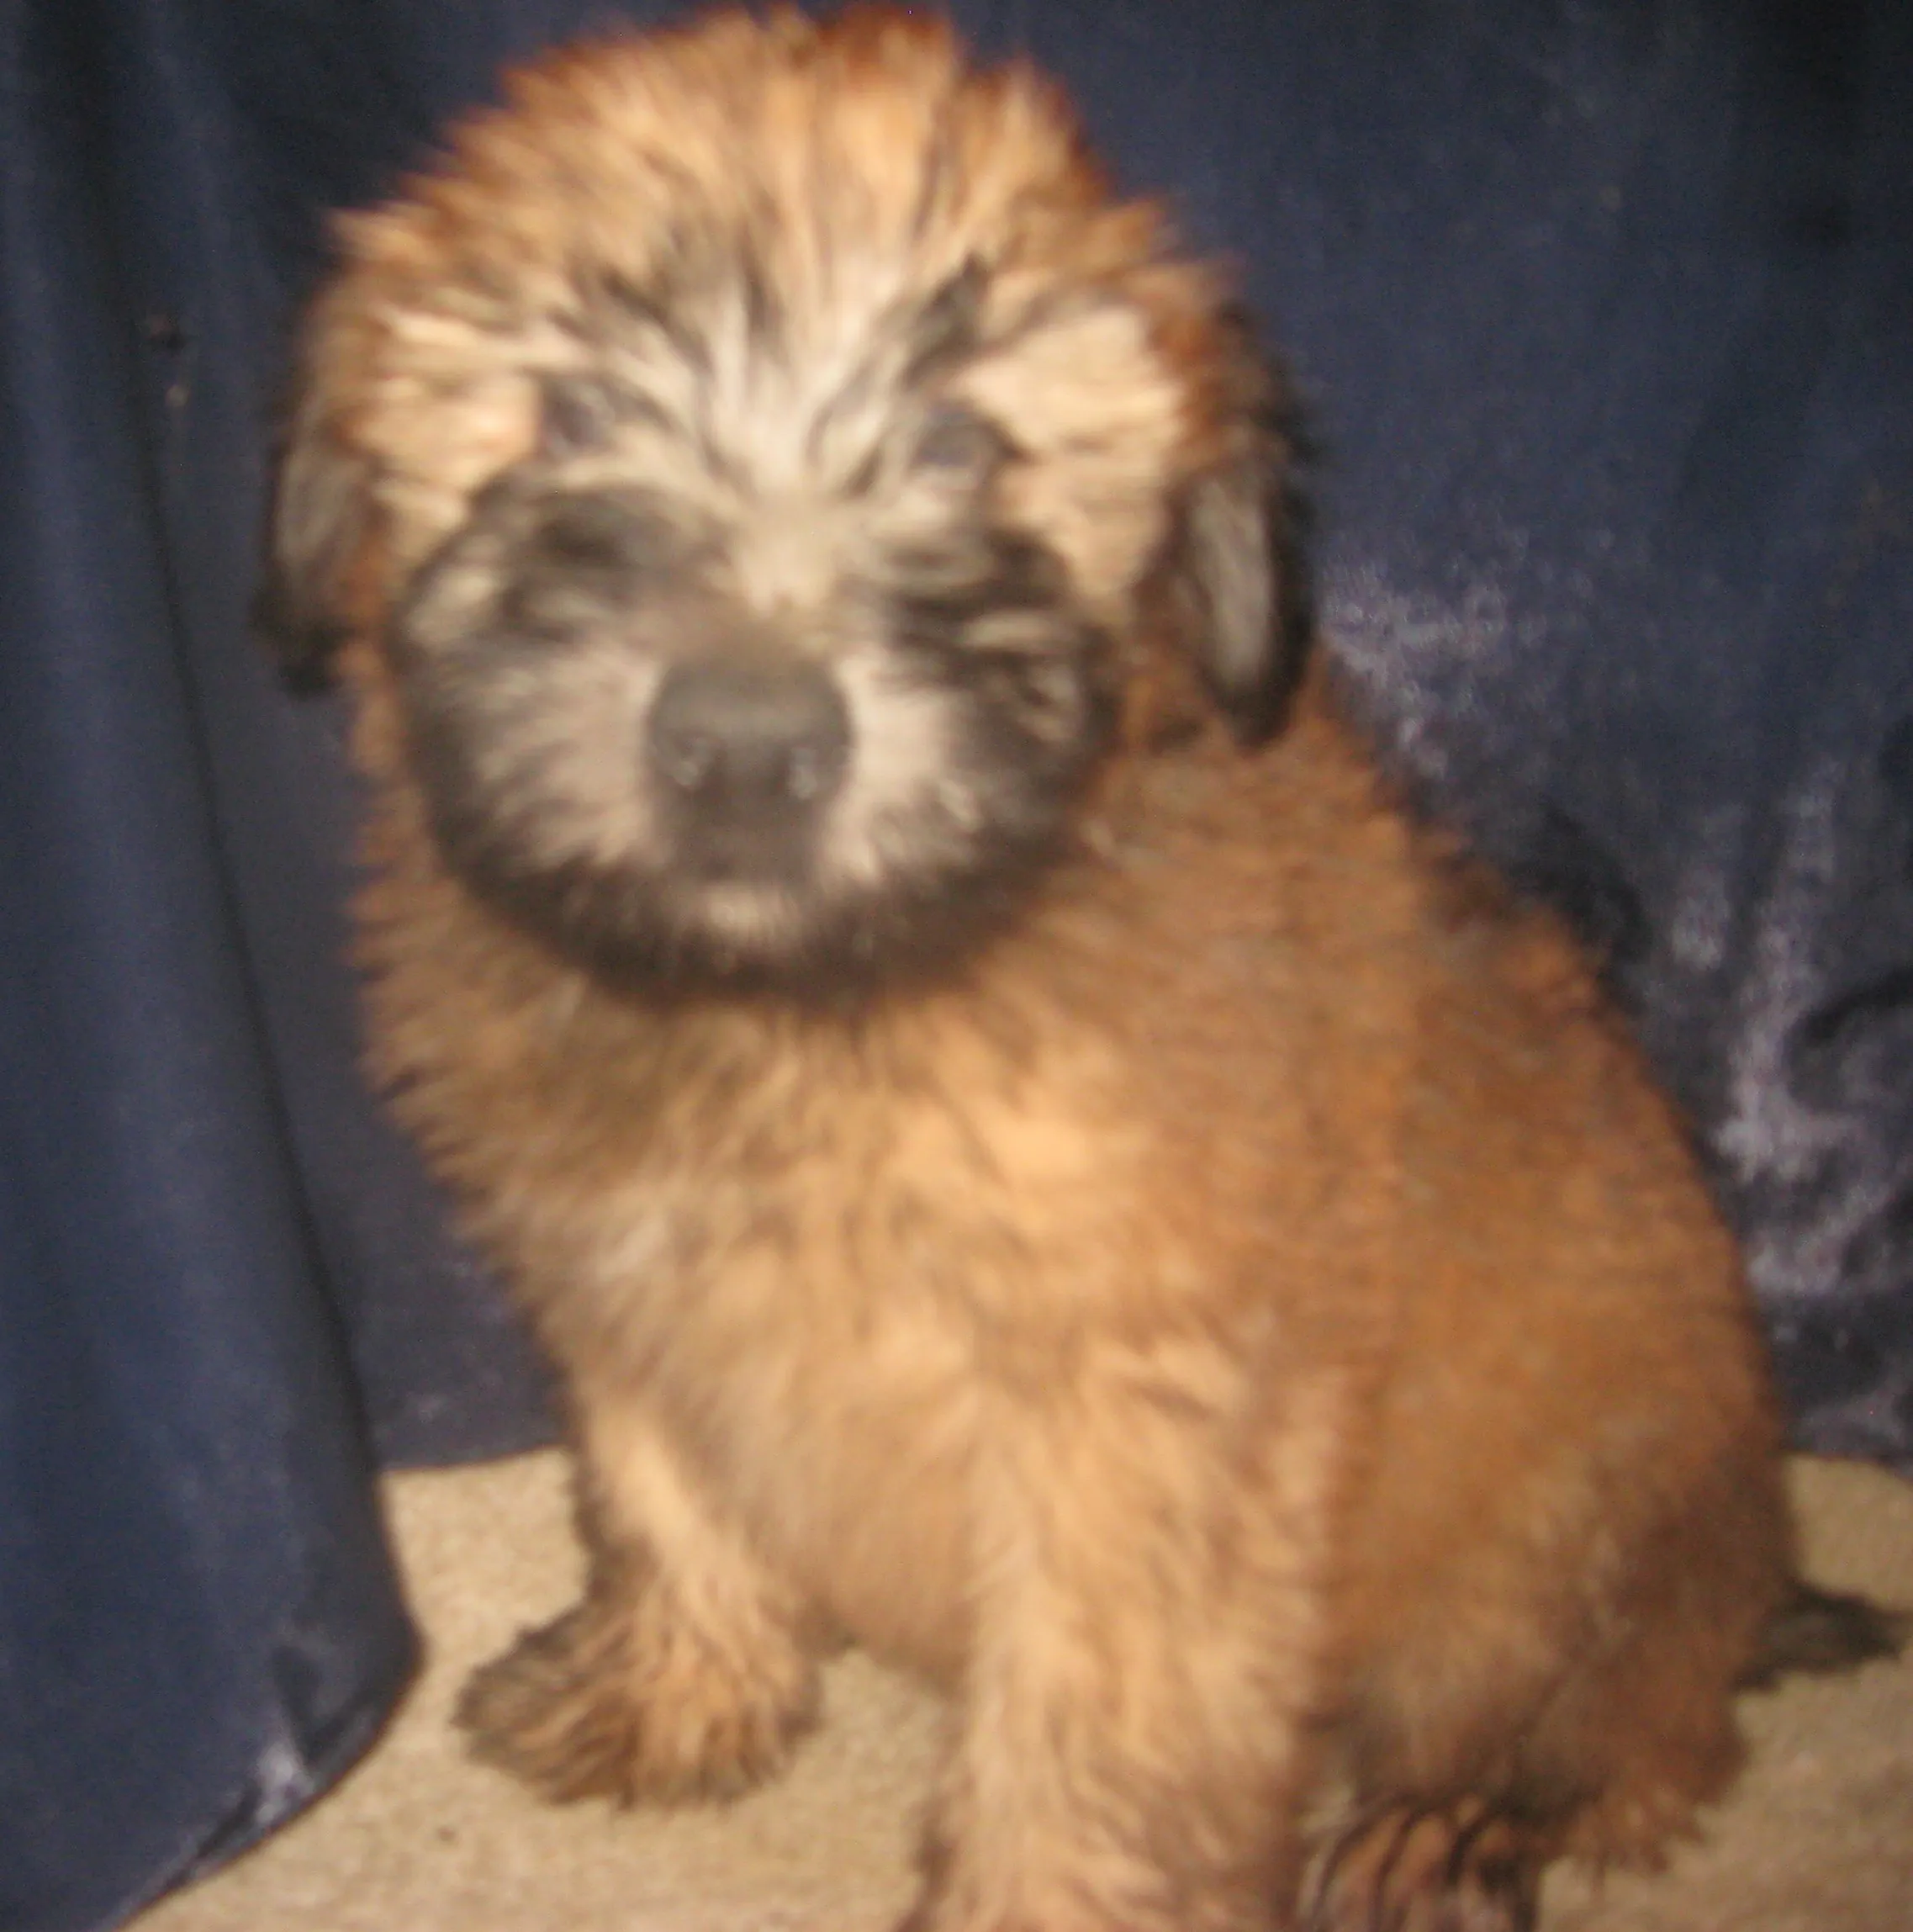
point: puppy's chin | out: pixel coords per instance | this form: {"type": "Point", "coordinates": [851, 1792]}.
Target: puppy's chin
{"type": "Point", "coordinates": [899, 878]}
{"type": "Point", "coordinates": [668, 936]}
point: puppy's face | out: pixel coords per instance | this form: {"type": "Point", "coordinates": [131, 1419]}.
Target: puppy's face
{"type": "Point", "coordinates": [775, 688]}
{"type": "Point", "coordinates": [773, 475]}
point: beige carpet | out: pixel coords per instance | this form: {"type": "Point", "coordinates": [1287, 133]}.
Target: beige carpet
{"type": "Point", "coordinates": [1819, 1837]}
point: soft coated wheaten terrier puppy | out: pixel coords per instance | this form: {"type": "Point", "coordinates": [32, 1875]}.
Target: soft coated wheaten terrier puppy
{"type": "Point", "coordinates": [1021, 1157]}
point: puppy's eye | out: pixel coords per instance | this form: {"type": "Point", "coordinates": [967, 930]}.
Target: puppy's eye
{"type": "Point", "coordinates": [956, 445]}
{"type": "Point", "coordinates": [593, 533]}
{"type": "Point", "coordinates": [580, 416]}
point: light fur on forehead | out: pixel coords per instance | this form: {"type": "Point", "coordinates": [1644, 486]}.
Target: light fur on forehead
{"type": "Point", "coordinates": [792, 183]}
{"type": "Point", "coordinates": [772, 244]}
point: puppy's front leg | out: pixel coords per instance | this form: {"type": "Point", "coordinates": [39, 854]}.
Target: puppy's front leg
{"type": "Point", "coordinates": [1149, 1630]}
{"type": "Point", "coordinates": [680, 1674]}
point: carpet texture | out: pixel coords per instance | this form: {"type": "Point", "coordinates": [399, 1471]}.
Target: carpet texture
{"type": "Point", "coordinates": [1817, 1838]}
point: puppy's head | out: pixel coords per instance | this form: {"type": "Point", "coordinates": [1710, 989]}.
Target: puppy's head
{"type": "Point", "coordinates": [766, 475]}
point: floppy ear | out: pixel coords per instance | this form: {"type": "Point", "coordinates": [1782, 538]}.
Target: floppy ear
{"type": "Point", "coordinates": [1246, 575]}
{"type": "Point", "coordinates": [315, 524]}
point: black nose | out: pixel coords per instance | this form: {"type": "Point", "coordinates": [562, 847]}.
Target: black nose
{"type": "Point", "coordinates": [740, 736]}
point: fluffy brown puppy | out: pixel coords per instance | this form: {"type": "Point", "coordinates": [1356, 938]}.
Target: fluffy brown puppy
{"type": "Point", "coordinates": [1018, 1161]}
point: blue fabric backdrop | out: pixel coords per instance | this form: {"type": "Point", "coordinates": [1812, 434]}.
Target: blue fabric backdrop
{"type": "Point", "coordinates": [1605, 310]}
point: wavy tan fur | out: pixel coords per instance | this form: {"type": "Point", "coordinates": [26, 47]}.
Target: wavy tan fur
{"type": "Point", "coordinates": [1226, 1299]}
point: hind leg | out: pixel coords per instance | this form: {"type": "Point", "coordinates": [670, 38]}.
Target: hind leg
{"type": "Point", "coordinates": [1612, 1769]}
{"type": "Point", "coordinates": [1578, 1708]}
{"type": "Point", "coordinates": [1460, 1867]}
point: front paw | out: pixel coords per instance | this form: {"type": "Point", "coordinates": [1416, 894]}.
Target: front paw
{"type": "Point", "coordinates": [627, 1700]}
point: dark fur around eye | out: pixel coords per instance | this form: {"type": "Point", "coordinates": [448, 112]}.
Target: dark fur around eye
{"type": "Point", "coordinates": [956, 444]}
{"type": "Point", "coordinates": [580, 414]}
{"type": "Point", "coordinates": [952, 605]}
{"type": "Point", "coordinates": [940, 591]}
{"type": "Point", "coordinates": [583, 553]}
{"type": "Point", "coordinates": [532, 562]}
